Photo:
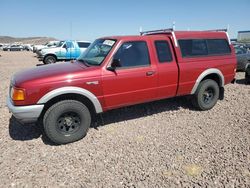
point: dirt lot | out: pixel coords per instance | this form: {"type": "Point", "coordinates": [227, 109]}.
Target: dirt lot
{"type": "Point", "coordinates": [158, 144]}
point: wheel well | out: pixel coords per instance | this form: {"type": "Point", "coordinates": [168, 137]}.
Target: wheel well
{"type": "Point", "coordinates": [214, 77]}
{"type": "Point", "coordinates": [247, 65]}
{"type": "Point", "coordinates": [68, 96]}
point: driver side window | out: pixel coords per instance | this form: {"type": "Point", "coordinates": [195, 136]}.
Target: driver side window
{"type": "Point", "coordinates": [133, 54]}
{"type": "Point", "coordinates": [69, 45]}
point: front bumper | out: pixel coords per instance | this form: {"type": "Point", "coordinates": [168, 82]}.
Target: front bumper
{"type": "Point", "coordinates": [25, 114]}
{"type": "Point", "coordinates": [39, 55]}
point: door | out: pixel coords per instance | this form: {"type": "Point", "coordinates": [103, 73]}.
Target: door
{"type": "Point", "coordinates": [166, 67]}
{"type": "Point", "coordinates": [134, 81]}
{"type": "Point", "coordinates": [68, 51]}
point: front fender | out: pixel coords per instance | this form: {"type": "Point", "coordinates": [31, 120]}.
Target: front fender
{"type": "Point", "coordinates": [75, 90]}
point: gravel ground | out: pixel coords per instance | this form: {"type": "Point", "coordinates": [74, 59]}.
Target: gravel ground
{"type": "Point", "coordinates": [158, 144]}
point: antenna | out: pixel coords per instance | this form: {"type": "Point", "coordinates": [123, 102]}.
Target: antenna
{"type": "Point", "coordinates": [71, 30]}
{"type": "Point", "coordinates": [140, 29]}
{"type": "Point", "coordinates": [173, 25]}
{"type": "Point", "coordinates": [70, 38]}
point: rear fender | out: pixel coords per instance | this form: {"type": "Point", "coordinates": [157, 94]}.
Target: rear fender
{"type": "Point", "coordinates": [206, 73]}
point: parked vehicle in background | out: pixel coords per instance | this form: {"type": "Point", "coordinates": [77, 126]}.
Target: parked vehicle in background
{"type": "Point", "coordinates": [14, 47]}
{"type": "Point", "coordinates": [28, 47]}
{"type": "Point", "coordinates": [243, 58]}
{"type": "Point", "coordinates": [247, 75]}
{"type": "Point", "coordinates": [119, 71]}
{"type": "Point", "coordinates": [3, 46]}
{"type": "Point", "coordinates": [65, 50]}
{"type": "Point", "coordinates": [47, 45]}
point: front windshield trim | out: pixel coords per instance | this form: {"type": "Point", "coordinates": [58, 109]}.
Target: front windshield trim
{"type": "Point", "coordinates": [98, 58]}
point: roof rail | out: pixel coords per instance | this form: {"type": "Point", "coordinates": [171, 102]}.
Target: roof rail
{"type": "Point", "coordinates": [169, 30]}
{"type": "Point", "coordinates": [222, 30]}
{"type": "Point", "coordinates": [225, 30]}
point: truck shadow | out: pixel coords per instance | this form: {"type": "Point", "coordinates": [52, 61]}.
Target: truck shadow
{"type": "Point", "coordinates": [141, 110]}
{"type": "Point", "coordinates": [39, 64]}
{"type": "Point", "coordinates": [21, 132]}
{"type": "Point", "coordinates": [241, 81]}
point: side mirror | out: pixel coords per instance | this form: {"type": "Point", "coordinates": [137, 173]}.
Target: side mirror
{"type": "Point", "coordinates": [115, 63]}
{"type": "Point", "coordinates": [65, 46]}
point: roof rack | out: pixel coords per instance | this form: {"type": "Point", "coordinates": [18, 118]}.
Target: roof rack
{"type": "Point", "coordinates": [222, 30]}
{"type": "Point", "coordinates": [225, 30]}
{"type": "Point", "coordinates": [158, 31]}
{"type": "Point", "coordinates": [169, 30]}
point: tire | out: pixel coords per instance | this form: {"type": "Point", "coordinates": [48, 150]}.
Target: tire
{"type": "Point", "coordinates": [247, 77]}
{"type": "Point", "coordinates": [66, 121]}
{"type": "Point", "coordinates": [49, 59]}
{"type": "Point", "coordinates": [206, 95]}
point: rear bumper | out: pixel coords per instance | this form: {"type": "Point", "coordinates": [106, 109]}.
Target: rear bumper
{"type": "Point", "coordinates": [25, 114]}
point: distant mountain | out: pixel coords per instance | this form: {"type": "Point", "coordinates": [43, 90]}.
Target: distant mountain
{"type": "Point", "coordinates": [28, 40]}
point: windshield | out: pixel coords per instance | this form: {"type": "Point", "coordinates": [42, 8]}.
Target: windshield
{"type": "Point", "coordinates": [97, 51]}
{"type": "Point", "coordinates": [59, 44]}
{"type": "Point", "coordinates": [240, 50]}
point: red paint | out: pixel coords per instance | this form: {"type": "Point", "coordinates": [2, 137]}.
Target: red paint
{"type": "Point", "coordinates": [128, 86]}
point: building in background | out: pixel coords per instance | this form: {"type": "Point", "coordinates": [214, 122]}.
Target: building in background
{"type": "Point", "coordinates": [243, 36]}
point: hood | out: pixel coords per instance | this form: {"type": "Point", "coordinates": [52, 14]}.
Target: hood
{"type": "Point", "coordinates": [49, 73]}
{"type": "Point", "coordinates": [51, 47]}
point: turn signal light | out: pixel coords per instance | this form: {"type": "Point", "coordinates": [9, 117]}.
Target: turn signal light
{"type": "Point", "coordinates": [17, 94]}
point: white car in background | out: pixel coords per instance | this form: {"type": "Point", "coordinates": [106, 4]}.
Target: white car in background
{"type": "Point", "coordinates": [28, 47]}
{"type": "Point", "coordinates": [47, 45]}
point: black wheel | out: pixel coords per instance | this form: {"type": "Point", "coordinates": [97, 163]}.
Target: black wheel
{"type": "Point", "coordinates": [66, 121]}
{"type": "Point", "coordinates": [49, 59]}
{"type": "Point", "coordinates": [206, 95]}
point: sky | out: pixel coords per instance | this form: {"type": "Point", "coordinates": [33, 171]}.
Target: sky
{"type": "Point", "coordinates": [87, 20]}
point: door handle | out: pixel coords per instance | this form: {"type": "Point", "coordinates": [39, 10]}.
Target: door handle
{"type": "Point", "coordinates": [150, 73]}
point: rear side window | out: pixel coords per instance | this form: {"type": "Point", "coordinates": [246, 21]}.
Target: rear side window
{"type": "Point", "coordinates": [133, 54]}
{"type": "Point", "coordinates": [218, 46]}
{"type": "Point", "coordinates": [83, 44]}
{"type": "Point", "coordinates": [193, 47]}
{"type": "Point", "coordinates": [204, 47]}
{"type": "Point", "coordinates": [163, 51]}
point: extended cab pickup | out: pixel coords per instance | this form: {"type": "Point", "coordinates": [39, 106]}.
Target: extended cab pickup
{"type": "Point", "coordinates": [119, 71]}
{"type": "Point", "coordinates": [64, 50]}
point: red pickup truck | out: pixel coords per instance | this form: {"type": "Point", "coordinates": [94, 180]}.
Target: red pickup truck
{"type": "Point", "coordinates": [120, 71]}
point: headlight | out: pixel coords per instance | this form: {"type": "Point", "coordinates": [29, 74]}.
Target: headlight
{"type": "Point", "coordinates": [17, 94]}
